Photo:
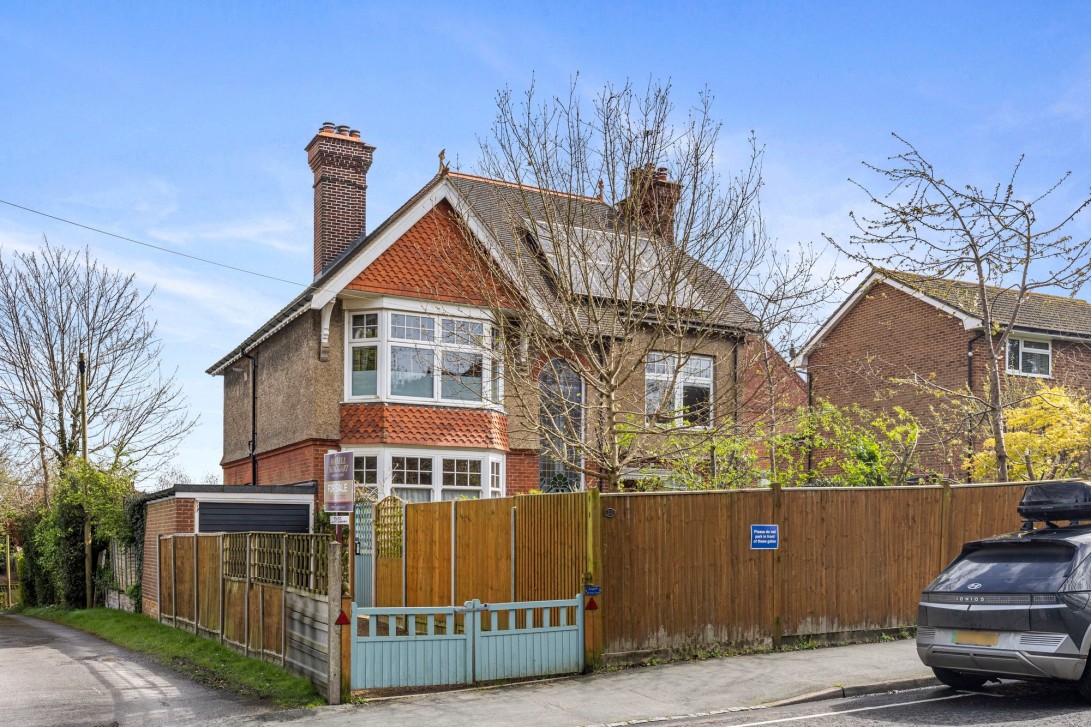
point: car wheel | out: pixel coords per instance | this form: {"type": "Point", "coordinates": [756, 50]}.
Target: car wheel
{"type": "Point", "coordinates": [1084, 684]}
{"type": "Point", "coordinates": [962, 680]}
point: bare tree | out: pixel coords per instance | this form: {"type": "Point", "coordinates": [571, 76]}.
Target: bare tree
{"type": "Point", "coordinates": [929, 226]}
{"type": "Point", "coordinates": [54, 304]}
{"type": "Point", "coordinates": [617, 289]}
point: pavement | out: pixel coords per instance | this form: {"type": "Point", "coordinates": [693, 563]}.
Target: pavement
{"type": "Point", "coordinates": [55, 675]}
{"type": "Point", "coordinates": [670, 691]}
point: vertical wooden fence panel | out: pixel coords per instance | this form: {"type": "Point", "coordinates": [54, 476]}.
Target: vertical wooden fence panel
{"type": "Point", "coordinates": [428, 557]}
{"type": "Point", "coordinates": [183, 579]}
{"type": "Point", "coordinates": [980, 511]}
{"type": "Point", "coordinates": [483, 550]}
{"type": "Point", "coordinates": [550, 545]}
{"type": "Point", "coordinates": [678, 571]}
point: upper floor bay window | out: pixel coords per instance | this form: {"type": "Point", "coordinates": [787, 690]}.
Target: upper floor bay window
{"type": "Point", "coordinates": [1029, 358]}
{"type": "Point", "coordinates": [408, 356]}
{"type": "Point", "coordinates": [673, 394]}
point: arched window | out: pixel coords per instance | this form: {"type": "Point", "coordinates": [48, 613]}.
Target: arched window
{"type": "Point", "coordinates": [561, 418]}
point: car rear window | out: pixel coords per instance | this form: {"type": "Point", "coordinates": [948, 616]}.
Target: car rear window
{"type": "Point", "coordinates": [1008, 569]}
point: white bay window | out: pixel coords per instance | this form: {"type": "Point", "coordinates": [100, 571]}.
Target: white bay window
{"type": "Point", "coordinates": [395, 356]}
{"type": "Point", "coordinates": [417, 475]}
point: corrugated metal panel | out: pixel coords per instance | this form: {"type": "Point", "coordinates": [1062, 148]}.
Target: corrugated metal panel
{"type": "Point", "coordinates": [238, 517]}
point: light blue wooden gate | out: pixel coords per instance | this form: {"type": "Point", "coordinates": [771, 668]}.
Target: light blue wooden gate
{"type": "Point", "coordinates": [363, 586]}
{"type": "Point", "coordinates": [415, 647]}
{"type": "Point", "coordinates": [527, 639]}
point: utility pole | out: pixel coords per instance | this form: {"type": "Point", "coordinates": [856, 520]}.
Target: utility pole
{"type": "Point", "coordinates": [86, 511]}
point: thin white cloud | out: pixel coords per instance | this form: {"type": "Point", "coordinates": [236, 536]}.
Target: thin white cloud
{"type": "Point", "coordinates": [277, 232]}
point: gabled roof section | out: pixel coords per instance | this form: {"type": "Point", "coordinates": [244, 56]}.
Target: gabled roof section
{"type": "Point", "coordinates": [1039, 313]}
{"type": "Point", "coordinates": [495, 211]}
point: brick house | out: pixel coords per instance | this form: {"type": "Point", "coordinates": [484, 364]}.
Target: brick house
{"type": "Point", "coordinates": [388, 355]}
{"type": "Point", "coordinates": [895, 325]}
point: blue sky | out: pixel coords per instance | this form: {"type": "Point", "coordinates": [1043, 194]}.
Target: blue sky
{"type": "Point", "coordinates": [184, 124]}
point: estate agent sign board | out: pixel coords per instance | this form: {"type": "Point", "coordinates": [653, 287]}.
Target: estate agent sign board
{"type": "Point", "coordinates": [338, 477]}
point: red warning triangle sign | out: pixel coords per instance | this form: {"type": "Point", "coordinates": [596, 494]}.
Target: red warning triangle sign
{"type": "Point", "coordinates": [342, 619]}
{"type": "Point", "coordinates": [591, 605]}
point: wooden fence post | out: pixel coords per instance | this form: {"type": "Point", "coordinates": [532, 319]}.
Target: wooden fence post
{"type": "Point", "coordinates": [196, 601]}
{"type": "Point", "coordinates": [159, 577]}
{"type": "Point", "coordinates": [944, 524]}
{"type": "Point", "coordinates": [513, 551]}
{"type": "Point", "coordinates": [593, 626]}
{"type": "Point", "coordinates": [174, 581]}
{"type": "Point", "coordinates": [246, 601]}
{"type": "Point", "coordinates": [333, 583]}
{"type": "Point", "coordinates": [284, 599]}
{"type": "Point", "coordinates": [454, 546]}
{"type": "Point", "coordinates": [221, 551]}
{"type": "Point", "coordinates": [777, 571]}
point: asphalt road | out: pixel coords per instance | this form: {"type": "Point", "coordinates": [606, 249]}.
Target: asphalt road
{"type": "Point", "coordinates": [1010, 704]}
{"type": "Point", "coordinates": [54, 675]}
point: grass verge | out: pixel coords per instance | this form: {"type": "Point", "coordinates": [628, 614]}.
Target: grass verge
{"type": "Point", "coordinates": [203, 660]}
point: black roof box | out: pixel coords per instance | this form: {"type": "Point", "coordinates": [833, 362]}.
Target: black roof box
{"type": "Point", "coordinates": [1058, 500]}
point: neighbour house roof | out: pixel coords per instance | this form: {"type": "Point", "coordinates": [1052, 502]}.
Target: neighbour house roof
{"type": "Point", "coordinates": [1039, 313]}
{"type": "Point", "coordinates": [503, 212]}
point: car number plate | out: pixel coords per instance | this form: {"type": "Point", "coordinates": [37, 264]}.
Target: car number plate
{"type": "Point", "coordinates": [976, 638]}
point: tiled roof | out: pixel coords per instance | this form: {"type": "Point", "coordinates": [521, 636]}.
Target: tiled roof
{"type": "Point", "coordinates": [1039, 312]}
{"type": "Point", "coordinates": [502, 208]}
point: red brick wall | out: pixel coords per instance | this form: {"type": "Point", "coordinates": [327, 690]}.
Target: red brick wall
{"type": "Point", "coordinates": [299, 462]}
{"type": "Point", "coordinates": [167, 516]}
{"type": "Point", "coordinates": [890, 334]}
{"type": "Point", "coordinates": [522, 471]}
{"type": "Point", "coordinates": [425, 426]}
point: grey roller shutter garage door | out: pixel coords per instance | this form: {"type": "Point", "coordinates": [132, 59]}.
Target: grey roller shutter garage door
{"type": "Point", "coordinates": [239, 517]}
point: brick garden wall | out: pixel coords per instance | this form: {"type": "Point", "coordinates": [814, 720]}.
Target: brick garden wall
{"type": "Point", "coordinates": [164, 517]}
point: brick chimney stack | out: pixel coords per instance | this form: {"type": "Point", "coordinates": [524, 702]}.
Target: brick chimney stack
{"type": "Point", "coordinates": [339, 159]}
{"type": "Point", "coordinates": [652, 200]}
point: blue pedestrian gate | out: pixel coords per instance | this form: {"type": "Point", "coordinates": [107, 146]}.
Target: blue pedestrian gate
{"type": "Point", "coordinates": [416, 647]}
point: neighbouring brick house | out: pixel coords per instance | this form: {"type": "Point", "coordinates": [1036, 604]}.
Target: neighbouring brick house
{"type": "Point", "coordinates": [896, 325]}
{"type": "Point", "coordinates": [339, 367]}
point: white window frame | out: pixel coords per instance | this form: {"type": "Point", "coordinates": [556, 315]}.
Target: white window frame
{"type": "Point", "coordinates": [492, 366]}
{"type": "Point", "coordinates": [680, 379]}
{"type": "Point", "coordinates": [385, 466]}
{"type": "Point", "coordinates": [1020, 340]}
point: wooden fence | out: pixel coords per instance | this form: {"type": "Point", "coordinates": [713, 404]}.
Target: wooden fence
{"type": "Point", "coordinates": [119, 560]}
{"type": "Point", "coordinates": [676, 570]}
{"type": "Point", "coordinates": [267, 595]}
{"type": "Point", "coordinates": [505, 549]}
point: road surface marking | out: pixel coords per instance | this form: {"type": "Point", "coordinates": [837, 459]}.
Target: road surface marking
{"type": "Point", "coordinates": [782, 720]}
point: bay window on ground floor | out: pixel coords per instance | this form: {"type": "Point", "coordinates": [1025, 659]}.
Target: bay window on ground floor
{"type": "Point", "coordinates": [421, 475]}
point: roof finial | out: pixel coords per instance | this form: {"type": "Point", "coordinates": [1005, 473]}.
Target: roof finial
{"type": "Point", "coordinates": [601, 193]}
{"type": "Point", "coordinates": [442, 165]}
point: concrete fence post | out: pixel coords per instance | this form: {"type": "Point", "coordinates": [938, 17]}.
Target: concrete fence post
{"type": "Point", "coordinates": [333, 584]}
{"type": "Point", "coordinates": [283, 599]}
{"type": "Point", "coordinates": [159, 577]}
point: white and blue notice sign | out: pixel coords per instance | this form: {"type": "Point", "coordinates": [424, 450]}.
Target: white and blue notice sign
{"type": "Point", "coordinates": [764, 537]}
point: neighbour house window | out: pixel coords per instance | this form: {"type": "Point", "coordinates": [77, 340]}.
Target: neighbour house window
{"type": "Point", "coordinates": [561, 418]}
{"type": "Point", "coordinates": [1029, 358]}
{"type": "Point", "coordinates": [676, 394]}
{"type": "Point", "coordinates": [423, 476]}
{"type": "Point", "coordinates": [422, 357]}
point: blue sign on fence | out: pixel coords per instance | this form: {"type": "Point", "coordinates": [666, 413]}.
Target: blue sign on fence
{"type": "Point", "coordinates": [592, 590]}
{"type": "Point", "coordinates": [764, 537]}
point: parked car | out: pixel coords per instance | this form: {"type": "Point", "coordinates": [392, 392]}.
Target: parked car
{"type": "Point", "coordinates": [1016, 605]}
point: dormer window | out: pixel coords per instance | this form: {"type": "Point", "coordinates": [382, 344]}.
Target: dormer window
{"type": "Point", "coordinates": [1029, 357]}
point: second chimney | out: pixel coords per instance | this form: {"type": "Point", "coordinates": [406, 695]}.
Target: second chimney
{"type": "Point", "coordinates": [339, 159]}
{"type": "Point", "coordinates": [652, 200]}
